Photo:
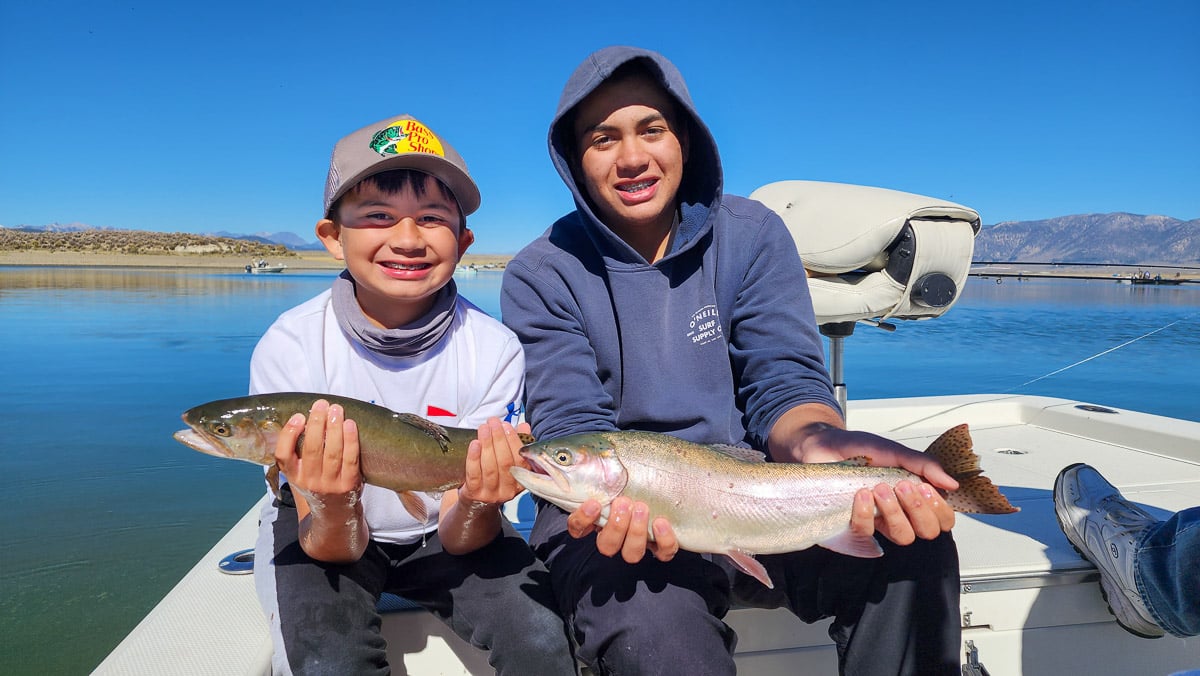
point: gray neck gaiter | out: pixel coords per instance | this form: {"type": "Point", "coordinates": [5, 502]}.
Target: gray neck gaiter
{"type": "Point", "coordinates": [408, 340]}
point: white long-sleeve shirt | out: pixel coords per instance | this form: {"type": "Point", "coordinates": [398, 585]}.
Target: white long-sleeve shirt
{"type": "Point", "coordinates": [475, 372]}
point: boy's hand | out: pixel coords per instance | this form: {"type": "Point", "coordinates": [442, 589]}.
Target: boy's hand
{"type": "Point", "coordinates": [913, 509]}
{"type": "Point", "coordinates": [488, 459]}
{"type": "Point", "coordinates": [328, 461]}
{"type": "Point", "coordinates": [626, 530]}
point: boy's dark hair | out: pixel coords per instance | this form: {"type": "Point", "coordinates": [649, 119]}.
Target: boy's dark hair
{"type": "Point", "coordinates": [395, 181]}
{"type": "Point", "coordinates": [634, 68]}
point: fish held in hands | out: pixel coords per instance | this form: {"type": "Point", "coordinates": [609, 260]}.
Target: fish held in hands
{"type": "Point", "coordinates": [400, 451]}
{"type": "Point", "coordinates": [728, 500]}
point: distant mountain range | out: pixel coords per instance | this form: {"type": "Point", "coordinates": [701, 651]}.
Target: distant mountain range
{"type": "Point", "coordinates": [1114, 239]}
{"type": "Point", "coordinates": [289, 239]}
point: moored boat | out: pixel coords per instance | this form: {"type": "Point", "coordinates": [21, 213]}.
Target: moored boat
{"type": "Point", "coordinates": [261, 266]}
{"type": "Point", "coordinates": [1157, 280]}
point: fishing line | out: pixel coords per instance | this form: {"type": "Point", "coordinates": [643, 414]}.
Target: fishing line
{"type": "Point", "coordinates": [1005, 394]}
{"type": "Point", "coordinates": [1098, 354]}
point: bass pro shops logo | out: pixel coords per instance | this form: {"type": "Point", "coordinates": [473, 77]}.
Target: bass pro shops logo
{"type": "Point", "coordinates": [705, 326]}
{"type": "Point", "coordinates": [406, 136]}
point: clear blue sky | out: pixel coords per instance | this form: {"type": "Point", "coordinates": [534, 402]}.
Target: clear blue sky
{"type": "Point", "coordinates": [220, 115]}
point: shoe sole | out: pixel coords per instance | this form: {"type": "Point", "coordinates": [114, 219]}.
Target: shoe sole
{"type": "Point", "coordinates": [1103, 587]}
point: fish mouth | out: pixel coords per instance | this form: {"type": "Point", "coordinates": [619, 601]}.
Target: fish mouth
{"type": "Point", "coordinates": [541, 474]}
{"type": "Point", "coordinates": [198, 442]}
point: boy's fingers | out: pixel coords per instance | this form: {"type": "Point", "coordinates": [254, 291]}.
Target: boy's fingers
{"type": "Point", "coordinates": [332, 462]}
{"type": "Point", "coordinates": [665, 545]}
{"type": "Point", "coordinates": [512, 456]}
{"type": "Point", "coordinates": [862, 518]}
{"type": "Point", "coordinates": [633, 549]}
{"type": "Point", "coordinates": [314, 429]}
{"type": "Point", "coordinates": [474, 472]}
{"type": "Point", "coordinates": [891, 518]}
{"type": "Point", "coordinates": [285, 445]}
{"type": "Point", "coordinates": [350, 452]}
{"type": "Point", "coordinates": [583, 520]}
{"type": "Point", "coordinates": [922, 519]}
{"type": "Point", "coordinates": [489, 436]}
{"type": "Point", "coordinates": [611, 537]}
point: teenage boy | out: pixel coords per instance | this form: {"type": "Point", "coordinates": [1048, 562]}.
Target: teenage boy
{"type": "Point", "coordinates": [662, 304]}
{"type": "Point", "coordinates": [394, 331]}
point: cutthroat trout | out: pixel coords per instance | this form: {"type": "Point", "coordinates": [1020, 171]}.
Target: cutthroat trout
{"type": "Point", "coordinates": [401, 451]}
{"type": "Point", "coordinates": [728, 500]}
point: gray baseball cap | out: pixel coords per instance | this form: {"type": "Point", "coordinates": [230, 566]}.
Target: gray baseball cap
{"type": "Point", "coordinates": [399, 142]}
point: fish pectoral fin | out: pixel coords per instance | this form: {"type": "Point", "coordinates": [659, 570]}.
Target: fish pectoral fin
{"type": "Point", "coordinates": [414, 505]}
{"type": "Point", "coordinates": [749, 565]}
{"type": "Point", "coordinates": [427, 427]}
{"type": "Point", "coordinates": [861, 546]}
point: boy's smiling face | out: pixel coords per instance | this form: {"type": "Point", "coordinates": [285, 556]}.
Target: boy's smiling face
{"type": "Point", "coordinates": [631, 157]}
{"type": "Point", "coordinates": [400, 247]}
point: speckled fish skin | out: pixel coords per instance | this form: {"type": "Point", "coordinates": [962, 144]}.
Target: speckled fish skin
{"type": "Point", "coordinates": [718, 503]}
{"type": "Point", "coordinates": [400, 451]}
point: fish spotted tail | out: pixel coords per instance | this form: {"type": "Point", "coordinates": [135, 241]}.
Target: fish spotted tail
{"type": "Point", "coordinates": [976, 493]}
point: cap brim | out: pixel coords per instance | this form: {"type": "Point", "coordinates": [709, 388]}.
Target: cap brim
{"type": "Point", "coordinates": [464, 189]}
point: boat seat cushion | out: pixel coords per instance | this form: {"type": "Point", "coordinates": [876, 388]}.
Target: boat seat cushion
{"type": "Point", "coordinates": [873, 253]}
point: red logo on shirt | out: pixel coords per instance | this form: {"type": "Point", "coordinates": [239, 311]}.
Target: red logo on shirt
{"type": "Point", "coordinates": [431, 411]}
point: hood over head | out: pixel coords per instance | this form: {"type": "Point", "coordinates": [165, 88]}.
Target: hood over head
{"type": "Point", "coordinates": [700, 190]}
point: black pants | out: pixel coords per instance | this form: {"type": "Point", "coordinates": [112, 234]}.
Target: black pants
{"type": "Point", "coordinates": [324, 621]}
{"type": "Point", "coordinates": [897, 614]}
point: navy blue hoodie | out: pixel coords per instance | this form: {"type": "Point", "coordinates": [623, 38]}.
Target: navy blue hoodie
{"type": "Point", "coordinates": [712, 343]}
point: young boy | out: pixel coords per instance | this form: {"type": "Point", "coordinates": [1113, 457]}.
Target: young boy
{"type": "Point", "coordinates": [663, 304]}
{"type": "Point", "coordinates": [393, 331]}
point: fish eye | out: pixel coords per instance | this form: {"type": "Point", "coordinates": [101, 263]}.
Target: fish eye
{"type": "Point", "coordinates": [562, 458]}
{"type": "Point", "coordinates": [221, 429]}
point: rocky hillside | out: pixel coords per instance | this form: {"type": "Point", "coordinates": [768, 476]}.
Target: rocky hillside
{"type": "Point", "coordinates": [1119, 238]}
{"type": "Point", "coordinates": [133, 242]}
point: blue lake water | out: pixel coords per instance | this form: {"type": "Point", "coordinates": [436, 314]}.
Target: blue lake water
{"type": "Point", "coordinates": [105, 511]}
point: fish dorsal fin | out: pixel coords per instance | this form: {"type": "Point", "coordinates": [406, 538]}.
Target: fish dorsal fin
{"type": "Point", "coordinates": [432, 429]}
{"type": "Point", "coordinates": [861, 546]}
{"type": "Point", "coordinates": [414, 505]}
{"type": "Point", "coordinates": [856, 461]}
{"type": "Point", "coordinates": [739, 453]}
{"type": "Point", "coordinates": [749, 565]}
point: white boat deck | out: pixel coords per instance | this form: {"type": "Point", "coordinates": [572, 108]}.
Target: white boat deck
{"type": "Point", "coordinates": [1030, 603]}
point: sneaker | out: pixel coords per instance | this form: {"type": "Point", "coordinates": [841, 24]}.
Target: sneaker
{"type": "Point", "coordinates": [1104, 528]}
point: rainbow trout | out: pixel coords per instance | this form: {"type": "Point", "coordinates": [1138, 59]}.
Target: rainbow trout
{"type": "Point", "coordinates": [727, 500]}
{"type": "Point", "coordinates": [401, 451]}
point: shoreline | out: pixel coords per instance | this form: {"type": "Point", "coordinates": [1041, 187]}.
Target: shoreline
{"type": "Point", "coordinates": [322, 261]}
{"type": "Point", "coordinates": [300, 260]}
{"type": "Point", "coordinates": [1168, 273]}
